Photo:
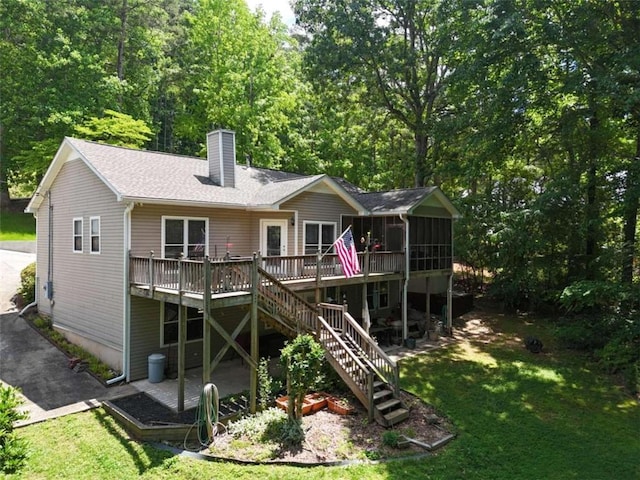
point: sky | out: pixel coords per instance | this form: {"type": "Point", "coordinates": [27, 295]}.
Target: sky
{"type": "Point", "coordinates": [271, 6]}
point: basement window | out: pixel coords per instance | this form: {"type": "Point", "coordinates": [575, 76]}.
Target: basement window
{"type": "Point", "coordinates": [169, 331]}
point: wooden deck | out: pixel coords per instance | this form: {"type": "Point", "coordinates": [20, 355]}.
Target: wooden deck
{"type": "Point", "coordinates": [230, 281]}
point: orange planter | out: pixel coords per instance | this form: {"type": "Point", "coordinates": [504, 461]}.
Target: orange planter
{"type": "Point", "coordinates": [339, 406]}
{"type": "Point", "coordinates": [312, 403]}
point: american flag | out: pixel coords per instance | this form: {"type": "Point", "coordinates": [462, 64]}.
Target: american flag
{"type": "Point", "coordinates": [347, 254]}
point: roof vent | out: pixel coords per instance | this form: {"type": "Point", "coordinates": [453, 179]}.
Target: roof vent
{"type": "Point", "coordinates": [221, 154]}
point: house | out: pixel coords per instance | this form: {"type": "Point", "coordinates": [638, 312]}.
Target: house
{"type": "Point", "coordinates": [129, 241]}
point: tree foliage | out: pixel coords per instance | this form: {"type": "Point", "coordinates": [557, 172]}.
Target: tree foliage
{"type": "Point", "coordinates": [526, 113]}
{"type": "Point", "coordinates": [302, 359]}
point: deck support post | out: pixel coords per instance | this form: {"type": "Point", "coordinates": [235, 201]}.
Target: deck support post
{"type": "Point", "coordinates": [151, 274]}
{"type": "Point", "coordinates": [427, 307]}
{"type": "Point", "coordinates": [449, 318]}
{"type": "Point", "coordinates": [255, 353]}
{"type": "Point", "coordinates": [366, 318]}
{"type": "Point", "coordinates": [206, 328]}
{"type": "Point", "coordinates": [182, 339]}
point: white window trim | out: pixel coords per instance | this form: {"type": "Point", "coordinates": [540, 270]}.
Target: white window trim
{"type": "Point", "coordinates": [74, 235]}
{"type": "Point", "coordinates": [162, 323]}
{"type": "Point", "coordinates": [91, 236]}
{"type": "Point", "coordinates": [313, 222]}
{"type": "Point", "coordinates": [185, 232]}
{"type": "Point", "coordinates": [375, 294]}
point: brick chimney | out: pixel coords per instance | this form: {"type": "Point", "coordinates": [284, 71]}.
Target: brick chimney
{"type": "Point", "coordinates": [221, 154]}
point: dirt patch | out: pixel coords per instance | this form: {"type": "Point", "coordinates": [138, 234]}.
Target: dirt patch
{"type": "Point", "coordinates": [330, 437]}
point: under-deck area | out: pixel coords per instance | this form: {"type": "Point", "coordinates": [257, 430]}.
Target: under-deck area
{"type": "Point", "coordinates": [231, 377]}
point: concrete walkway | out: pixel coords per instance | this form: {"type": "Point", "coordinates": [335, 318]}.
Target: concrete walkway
{"type": "Point", "coordinates": [28, 361]}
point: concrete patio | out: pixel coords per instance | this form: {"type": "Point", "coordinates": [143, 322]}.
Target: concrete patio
{"type": "Point", "coordinates": [232, 376]}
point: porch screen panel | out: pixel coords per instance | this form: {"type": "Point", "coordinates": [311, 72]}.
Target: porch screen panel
{"type": "Point", "coordinates": [430, 243]}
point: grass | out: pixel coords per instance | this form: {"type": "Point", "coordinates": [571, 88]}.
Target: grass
{"type": "Point", "coordinates": [517, 416]}
{"type": "Point", "coordinates": [17, 226]}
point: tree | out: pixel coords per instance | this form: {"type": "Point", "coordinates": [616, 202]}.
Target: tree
{"type": "Point", "coordinates": [401, 51]}
{"type": "Point", "coordinates": [302, 359]}
{"type": "Point", "coordinates": [116, 129]}
{"type": "Point", "coordinates": [239, 76]}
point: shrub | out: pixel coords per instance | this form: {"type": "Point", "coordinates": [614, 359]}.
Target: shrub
{"type": "Point", "coordinates": [267, 386]}
{"type": "Point", "coordinates": [28, 283]}
{"type": "Point", "coordinates": [390, 438]}
{"type": "Point", "coordinates": [270, 425]}
{"type": "Point", "coordinates": [584, 332]}
{"type": "Point", "coordinates": [596, 296]}
{"type": "Point", "coordinates": [13, 450]}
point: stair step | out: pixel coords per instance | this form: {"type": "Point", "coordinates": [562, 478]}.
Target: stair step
{"type": "Point", "coordinates": [381, 394]}
{"type": "Point", "coordinates": [378, 384]}
{"type": "Point", "coordinates": [388, 404]}
{"type": "Point", "coordinates": [396, 416]}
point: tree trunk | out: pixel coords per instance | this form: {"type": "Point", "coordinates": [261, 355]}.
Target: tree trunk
{"type": "Point", "coordinates": [631, 201]}
{"type": "Point", "coordinates": [121, 40]}
{"type": "Point", "coordinates": [591, 209]}
{"type": "Point", "coordinates": [421, 174]}
{"type": "Point", "coordinates": [4, 186]}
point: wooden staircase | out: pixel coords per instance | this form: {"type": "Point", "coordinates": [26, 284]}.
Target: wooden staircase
{"type": "Point", "coordinates": [370, 374]}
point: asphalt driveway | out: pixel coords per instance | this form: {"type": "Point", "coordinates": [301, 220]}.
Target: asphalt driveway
{"type": "Point", "coordinates": [28, 361]}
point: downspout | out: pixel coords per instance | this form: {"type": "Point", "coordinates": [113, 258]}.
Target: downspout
{"type": "Point", "coordinates": [49, 284]}
{"type": "Point", "coordinates": [407, 264]}
{"type": "Point", "coordinates": [35, 302]}
{"type": "Point", "coordinates": [126, 310]}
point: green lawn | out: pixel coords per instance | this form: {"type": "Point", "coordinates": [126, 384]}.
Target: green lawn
{"type": "Point", "coordinates": [17, 226]}
{"type": "Point", "coordinates": [517, 416]}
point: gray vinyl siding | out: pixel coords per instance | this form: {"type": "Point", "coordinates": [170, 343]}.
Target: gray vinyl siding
{"type": "Point", "coordinates": [239, 228]}
{"type": "Point", "coordinates": [145, 337]}
{"type": "Point", "coordinates": [222, 170]}
{"type": "Point", "coordinates": [317, 207]}
{"type": "Point", "coordinates": [229, 158]}
{"type": "Point", "coordinates": [430, 211]}
{"type": "Point", "coordinates": [87, 288]}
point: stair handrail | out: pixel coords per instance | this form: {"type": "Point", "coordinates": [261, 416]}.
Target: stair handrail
{"type": "Point", "coordinates": [287, 302]}
{"type": "Point", "coordinates": [382, 364]}
{"type": "Point", "coordinates": [362, 384]}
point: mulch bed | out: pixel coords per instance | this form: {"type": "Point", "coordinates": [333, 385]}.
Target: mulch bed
{"type": "Point", "coordinates": [150, 412]}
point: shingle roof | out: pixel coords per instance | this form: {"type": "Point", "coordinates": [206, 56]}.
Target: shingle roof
{"type": "Point", "coordinates": [145, 176]}
{"type": "Point", "coordinates": [393, 201]}
{"type": "Point", "coordinates": [141, 174]}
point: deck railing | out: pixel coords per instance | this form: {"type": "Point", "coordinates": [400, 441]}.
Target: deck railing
{"type": "Point", "coordinates": [188, 275]}
{"type": "Point", "coordinates": [279, 301]}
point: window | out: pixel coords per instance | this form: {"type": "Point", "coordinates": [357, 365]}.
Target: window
{"type": "Point", "coordinates": [378, 295]}
{"type": "Point", "coordinates": [318, 236]}
{"type": "Point", "coordinates": [77, 235]}
{"type": "Point", "coordinates": [95, 234]}
{"type": "Point", "coordinates": [169, 330]}
{"type": "Point", "coordinates": [184, 235]}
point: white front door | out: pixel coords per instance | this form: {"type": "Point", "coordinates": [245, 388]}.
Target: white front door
{"type": "Point", "coordinates": [273, 238]}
